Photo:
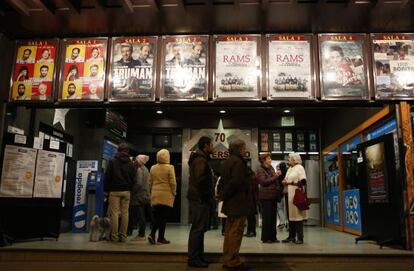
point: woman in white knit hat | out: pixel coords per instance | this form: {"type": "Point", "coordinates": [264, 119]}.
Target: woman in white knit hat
{"type": "Point", "coordinates": [141, 196]}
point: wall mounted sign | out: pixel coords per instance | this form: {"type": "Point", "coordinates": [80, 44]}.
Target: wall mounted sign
{"type": "Point", "coordinates": [343, 66]}
{"type": "Point", "coordinates": [34, 70]}
{"type": "Point", "coordinates": [237, 67]}
{"type": "Point", "coordinates": [185, 68]}
{"type": "Point", "coordinates": [393, 65]}
{"type": "Point", "coordinates": [82, 77]}
{"type": "Point", "coordinates": [133, 63]}
{"type": "Point", "coordinates": [289, 66]}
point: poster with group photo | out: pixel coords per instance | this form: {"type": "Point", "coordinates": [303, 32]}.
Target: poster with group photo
{"type": "Point", "coordinates": [237, 67]}
{"type": "Point", "coordinates": [49, 174]}
{"type": "Point", "coordinates": [18, 172]}
{"type": "Point", "coordinates": [185, 68]}
{"type": "Point", "coordinates": [82, 77]}
{"type": "Point", "coordinates": [343, 66]}
{"type": "Point", "coordinates": [34, 70]}
{"type": "Point", "coordinates": [289, 66]}
{"type": "Point", "coordinates": [132, 69]}
{"type": "Point", "coordinates": [393, 65]}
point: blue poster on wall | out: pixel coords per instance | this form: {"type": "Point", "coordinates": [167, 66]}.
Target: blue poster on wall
{"type": "Point", "coordinates": [352, 209]}
{"type": "Point", "coordinates": [333, 212]}
{"type": "Point", "coordinates": [386, 128]}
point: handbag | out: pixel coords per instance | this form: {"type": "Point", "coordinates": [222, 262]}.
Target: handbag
{"type": "Point", "coordinates": [300, 199]}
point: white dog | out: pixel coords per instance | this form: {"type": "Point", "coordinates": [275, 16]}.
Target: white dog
{"type": "Point", "coordinates": [100, 229]}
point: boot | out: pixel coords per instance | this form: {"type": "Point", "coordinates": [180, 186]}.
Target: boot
{"type": "Point", "coordinates": [292, 232]}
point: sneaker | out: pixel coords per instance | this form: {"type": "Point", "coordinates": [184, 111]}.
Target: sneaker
{"type": "Point", "coordinates": [163, 242]}
{"type": "Point", "coordinates": [280, 226]}
{"type": "Point", "coordinates": [138, 238]}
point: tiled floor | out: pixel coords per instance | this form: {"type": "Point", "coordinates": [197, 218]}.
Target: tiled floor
{"type": "Point", "coordinates": [317, 241]}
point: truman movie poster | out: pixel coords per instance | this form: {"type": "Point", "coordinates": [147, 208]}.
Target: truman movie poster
{"type": "Point", "coordinates": [34, 71]}
{"type": "Point", "coordinates": [83, 73]}
{"type": "Point", "coordinates": [343, 64]}
{"type": "Point", "coordinates": [237, 67]}
{"type": "Point", "coordinates": [289, 67]}
{"type": "Point", "coordinates": [132, 68]}
{"type": "Point", "coordinates": [394, 65]}
{"type": "Point", "coordinates": [185, 68]}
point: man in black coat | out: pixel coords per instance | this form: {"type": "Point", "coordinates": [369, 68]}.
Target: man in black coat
{"type": "Point", "coordinates": [120, 177]}
{"type": "Point", "coordinates": [200, 195]}
{"type": "Point", "coordinates": [235, 191]}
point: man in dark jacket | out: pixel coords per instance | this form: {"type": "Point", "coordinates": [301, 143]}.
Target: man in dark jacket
{"type": "Point", "coordinates": [120, 177]}
{"type": "Point", "coordinates": [235, 191]}
{"type": "Point", "coordinates": [200, 195]}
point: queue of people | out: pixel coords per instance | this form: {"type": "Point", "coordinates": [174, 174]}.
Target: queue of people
{"type": "Point", "coordinates": [136, 193]}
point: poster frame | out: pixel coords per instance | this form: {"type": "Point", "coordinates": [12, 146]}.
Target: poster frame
{"type": "Point", "coordinates": [373, 36]}
{"type": "Point", "coordinates": [55, 78]}
{"type": "Point", "coordinates": [364, 38]}
{"type": "Point", "coordinates": [266, 64]}
{"type": "Point", "coordinates": [64, 43]}
{"type": "Point", "coordinates": [155, 70]}
{"type": "Point", "coordinates": [164, 40]}
{"type": "Point", "coordinates": [258, 39]}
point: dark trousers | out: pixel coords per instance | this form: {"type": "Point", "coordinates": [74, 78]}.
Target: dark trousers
{"type": "Point", "coordinates": [199, 225]}
{"type": "Point", "coordinates": [143, 211]}
{"type": "Point", "coordinates": [213, 220]}
{"type": "Point", "coordinates": [296, 230]}
{"type": "Point", "coordinates": [251, 223]}
{"type": "Point", "coordinates": [133, 218]}
{"type": "Point", "coordinates": [160, 214]}
{"type": "Point", "coordinates": [268, 220]}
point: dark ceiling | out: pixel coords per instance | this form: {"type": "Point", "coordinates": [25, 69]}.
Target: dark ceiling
{"type": "Point", "coordinates": [45, 18]}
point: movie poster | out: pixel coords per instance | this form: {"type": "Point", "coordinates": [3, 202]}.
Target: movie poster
{"type": "Point", "coordinates": [376, 173]}
{"type": "Point", "coordinates": [83, 69]}
{"type": "Point", "coordinates": [393, 65]}
{"type": "Point", "coordinates": [34, 70]}
{"type": "Point", "coordinates": [237, 67]}
{"type": "Point", "coordinates": [185, 68]}
{"type": "Point", "coordinates": [289, 65]}
{"type": "Point", "coordinates": [343, 66]}
{"type": "Point", "coordinates": [133, 68]}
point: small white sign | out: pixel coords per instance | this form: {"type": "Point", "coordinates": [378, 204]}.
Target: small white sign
{"type": "Point", "coordinates": [54, 145]}
{"type": "Point", "coordinates": [20, 139]}
{"type": "Point", "coordinates": [288, 121]}
{"type": "Point", "coordinates": [15, 130]}
{"type": "Point", "coordinates": [360, 160]}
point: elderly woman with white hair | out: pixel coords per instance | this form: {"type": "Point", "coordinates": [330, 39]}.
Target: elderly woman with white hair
{"type": "Point", "coordinates": [295, 176]}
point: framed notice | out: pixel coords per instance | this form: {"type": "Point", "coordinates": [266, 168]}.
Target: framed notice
{"type": "Point", "coordinates": [49, 174]}
{"type": "Point", "coordinates": [133, 63]}
{"type": "Point", "coordinates": [82, 76]}
{"type": "Point", "coordinates": [18, 172]}
{"type": "Point", "coordinates": [185, 68]}
{"type": "Point", "coordinates": [34, 70]}
{"type": "Point", "coordinates": [289, 66]}
{"type": "Point", "coordinates": [343, 66]}
{"type": "Point", "coordinates": [393, 65]}
{"type": "Point", "coordinates": [237, 67]}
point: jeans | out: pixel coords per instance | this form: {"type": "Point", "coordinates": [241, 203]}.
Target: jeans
{"type": "Point", "coordinates": [281, 211]}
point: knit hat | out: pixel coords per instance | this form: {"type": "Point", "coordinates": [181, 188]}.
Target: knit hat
{"type": "Point", "coordinates": [142, 159]}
